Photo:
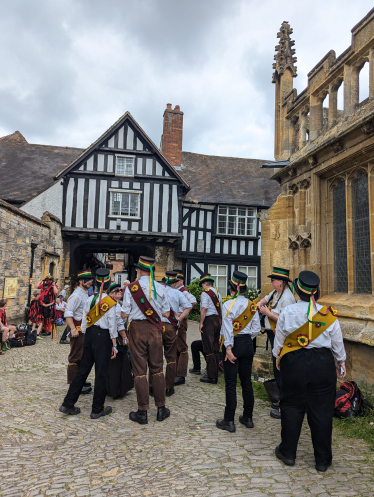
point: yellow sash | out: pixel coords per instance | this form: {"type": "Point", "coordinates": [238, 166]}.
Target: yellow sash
{"type": "Point", "coordinates": [245, 318]}
{"type": "Point", "coordinates": [272, 323]}
{"type": "Point", "coordinates": [298, 339]}
{"type": "Point", "coordinates": [106, 304]}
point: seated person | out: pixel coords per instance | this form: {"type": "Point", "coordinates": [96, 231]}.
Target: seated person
{"type": "Point", "coordinates": [6, 331]}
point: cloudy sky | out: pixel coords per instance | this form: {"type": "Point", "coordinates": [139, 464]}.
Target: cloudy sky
{"type": "Point", "coordinates": [70, 68]}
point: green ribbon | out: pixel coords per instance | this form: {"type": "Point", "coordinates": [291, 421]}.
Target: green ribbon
{"type": "Point", "coordinates": [153, 282]}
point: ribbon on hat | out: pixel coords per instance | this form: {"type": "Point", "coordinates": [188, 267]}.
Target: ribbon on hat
{"type": "Point", "coordinates": [148, 265]}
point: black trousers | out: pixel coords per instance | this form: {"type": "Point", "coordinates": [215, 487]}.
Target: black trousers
{"type": "Point", "coordinates": [277, 375]}
{"type": "Point", "coordinates": [243, 351]}
{"type": "Point", "coordinates": [196, 348]}
{"type": "Point", "coordinates": [65, 333]}
{"type": "Point", "coordinates": [308, 386]}
{"type": "Point", "coordinates": [97, 350]}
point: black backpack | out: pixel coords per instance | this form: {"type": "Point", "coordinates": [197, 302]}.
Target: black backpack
{"type": "Point", "coordinates": [349, 401]}
{"type": "Point", "coordinates": [30, 337]}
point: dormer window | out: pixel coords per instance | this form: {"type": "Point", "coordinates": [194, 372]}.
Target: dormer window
{"type": "Point", "coordinates": [124, 165]}
{"type": "Point", "coordinates": [237, 221]}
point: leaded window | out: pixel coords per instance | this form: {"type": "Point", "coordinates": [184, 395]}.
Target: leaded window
{"type": "Point", "coordinates": [340, 238]}
{"type": "Point", "coordinates": [125, 204]}
{"type": "Point", "coordinates": [361, 234]}
{"type": "Point", "coordinates": [239, 221]}
{"type": "Point", "coordinates": [124, 166]}
{"type": "Point", "coordinates": [219, 273]}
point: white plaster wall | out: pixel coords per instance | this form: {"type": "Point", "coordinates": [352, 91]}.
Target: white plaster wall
{"type": "Point", "coordinates": [50, 200]}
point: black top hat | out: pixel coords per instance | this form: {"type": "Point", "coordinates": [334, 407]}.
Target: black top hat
{"type": "Point", "coordinates": [306, 285]}
{"type": "Point", "coordinates": [145, 263]}
{"type": "Point", "coordinates": [206, 277]}
{"type": "Point", "coordinates": [238, 281]}
{"type": "Point", "coordinates": [113, 286]}
{"type": "Point", "coordinates": [180, 275]}
{"type": "Point", "coordinates": [171, 277]}
{"type": "Point", "coordinates": [102, 275]}
{"type": "Point", "coordinates": [279, 273]}
{"type": "Point", "coordinates": [84, 274]}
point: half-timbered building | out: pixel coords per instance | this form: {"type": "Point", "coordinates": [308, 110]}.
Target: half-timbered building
{"type": "Point", "coordinates": [125, 195]}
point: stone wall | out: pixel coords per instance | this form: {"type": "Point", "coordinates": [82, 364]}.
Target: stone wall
{"type": "Point", "coordinates": [165, 261]}
{"type": "Point", "coordinates": [17, 231]}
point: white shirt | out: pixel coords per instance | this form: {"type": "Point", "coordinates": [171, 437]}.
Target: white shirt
{"type": "Point", "coordinates": [120, 321]}
{"type": "Point", "coordinates": [106, 322]}
{"type": "Point", "coordinates": [61, 305]}
{"type": "Point", "coordinates": [295, 316]}
{"type": "Point", "coordinates": [287, 299]}
{"type": "Point", "coordinates": [63, 293]}
{"type": "Point", "coordinates": [161, 305]}
{"type": "Point", "coordinates": [177, 301]}
{"type": "Point", "coordinates": [253, 328]}
{"type": "Point", "coordinates": [207, 302]}
{"type": "Point", "coordinates": [75, 304]}
{"type": "Point", "coordinates": [191, 298]}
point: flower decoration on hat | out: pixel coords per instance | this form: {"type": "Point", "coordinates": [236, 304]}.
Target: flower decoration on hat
{"type": "Point", "coordinates": [236, 326]}
{"type": "Point", "coordinates": [149, 312]}
{"type": "Point", "coordinates": [88, 319]}
{"type": "Point", "coordinates": [134, 288]}
{"type": "Point", "coordinates": [303, 340]}
{"type": "Point", "coordinates": [104, 306]}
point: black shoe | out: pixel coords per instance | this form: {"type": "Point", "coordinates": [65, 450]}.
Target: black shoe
{"type": "Point", "coordinates": [322, 468]}
{"type": "Point", "coordinates": [87, 384]}
{"type": "Point", "coordinates": [247, 421]}
{"type": "Point", "coordinates": [194, 371]}
{"type": "Point", "coordinates": [225, 425]}
{"type": "Point", "coordinates": [206, 379]}
{"type": "Point", "coordinates": [275, 405]}
{"type": "Point", "coordinates": [170, 392]}
{"type": "Point", "coordinates": [139, 417]}
{"type": "Point", "coordinates": [45, 333]}
{"type": "Point", "coordinates": [179, 380]}
{"type": "Point", "coordinates": [275, 413]}
{"type": "Point", "coordinates": [85, 390]}
{"type": "Point", "coordinates": [64, 342]}
{"type": "Point", "coordinates": [151, 391]}
{"type": "Point", "coordinates": [289, 462]}
{"type": "Point", "coordinates": [162, 413]}
{"type": "Point", "coordinates": [107, 410]}
{"type": "Point", "coordinates": [70, 410]}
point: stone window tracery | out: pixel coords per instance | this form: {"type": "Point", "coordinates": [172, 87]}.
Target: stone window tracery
{"type": "Point", "coordinates": [340, 237]}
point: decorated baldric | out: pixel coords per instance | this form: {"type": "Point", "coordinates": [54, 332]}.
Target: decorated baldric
{"type": "Point", "coordinates": [244, 318]}
{"type": "Point", "coordinates": [183, 289]}
{"type": "Point", "coordinates": [144, 305]}
{"type": "Point", "coordinates": [302, 337]}
{"type": "Point", "coordinates": [215, 300]}
{"type": "Point", "coordinates": [99, 309]}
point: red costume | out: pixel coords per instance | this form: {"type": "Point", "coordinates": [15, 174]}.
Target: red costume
{"type": "Point", "coordinates": [36, 314]}
{"type": "Point", "coordinates": [47, 296]}
{"type": "Point", "coordinates": [3, 318]}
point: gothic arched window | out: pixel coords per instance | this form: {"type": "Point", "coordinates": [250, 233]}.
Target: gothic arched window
{"type": "Point", "coordinates": [361, 233]}
{"type": "Point", "coordinates": [340, 238]}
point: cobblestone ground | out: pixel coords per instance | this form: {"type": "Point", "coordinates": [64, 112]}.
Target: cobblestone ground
{"type": "Point", "coordinates": [46, 453]}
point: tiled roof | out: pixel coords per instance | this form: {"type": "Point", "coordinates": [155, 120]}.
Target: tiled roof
{"type": "Point", "coordinates": [228, 180]}
{"type": "Point", "coordinates": [27, 169]}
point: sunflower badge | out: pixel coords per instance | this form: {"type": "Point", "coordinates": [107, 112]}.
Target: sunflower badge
{"type": "Point", "coordinates": [217, 304]}
{"type": "Point", "coordinates": [104, 306]}
{"type": "Point", "coordinates": [149, 312]}
{"type": "Point", "coordinates": [253, 308]}
{"type": "Point", "coordinates": [134, 288]}
{"type": "Point", "coordinates": [236, 326]}
{"type": "Point", "coordinates": [333, 311]}
{"type": "Point", "coordinates": [88, 319]}
{"type": "Point", "coordinates": [207, 289]}
{"type": "Point", "coordinates": [302, 340]}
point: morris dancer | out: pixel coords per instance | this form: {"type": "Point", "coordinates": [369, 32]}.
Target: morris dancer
{"type": "Point", "coordinates": [240, 325]}
{"type": "Point", "coordinates": [99, 325]}
{"type": "Point", "coordinates": [144, 302]}
{"type": "Point", "coordinates": [210, 326]}
{"type": "Point", "coordinates": [306, 335]}
{"type": "Point", "coordinates": [182, 347]}
{"type": "Point", "coordinates": [74, 312]}
{"type": "Point", "coordinates": [271, 306]}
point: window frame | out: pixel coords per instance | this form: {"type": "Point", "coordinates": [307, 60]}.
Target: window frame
{"type": "Point", "coordinates": [120, 216]}
{"type": "Point", "coordinates": [124, 156]}
{"type": "Point", "coordinates": [237, 216]}
{"type": "Point", "coordinates": [240, 268]}
{"type": "Point", "coordinates": [224, 293]}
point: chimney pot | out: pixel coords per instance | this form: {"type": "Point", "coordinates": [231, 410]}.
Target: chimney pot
{"type": "Point", "coordinates": [171, 140]}
{"type": "Point", "coordinates": [177, 107]}
{"type": "Point", "coordinates": [168, 106]}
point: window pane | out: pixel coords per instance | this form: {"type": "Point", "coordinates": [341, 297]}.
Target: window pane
{"type": "Point", "coordinates": [116, 204]}
{"type": "Point", "coordinates": [241, 226]}
{"type": "Point", "coordinates": [222, 270]}
{"type": "Point", "coordinates": [251, 212]}
{"type": "Point", "coordinates": [222, 224]}
{"type": "Point", "coordinates": [134, 205]}
{"type": "Point", "coordinates": [232, 225]}
{"type": "Point", "coordinates": [222, 210]}
{"type": "Point", "coordinates": [129, 166]}
{"type": "Point", "coordinates": [232, 211]}
{"type": "Point", "coordinates": [242, 212]}
{"type": "Point", "coordinates": [250, 227]}
{"type": "Point", "coordinates": [340, 239]}
{"type": "Point", "coordinates": [120, 165]}
{"type": "Point", "coordinates": [125, 204]}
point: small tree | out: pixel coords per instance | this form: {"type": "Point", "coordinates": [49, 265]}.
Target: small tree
{"type": "Point", "coordinates": [195, 288]}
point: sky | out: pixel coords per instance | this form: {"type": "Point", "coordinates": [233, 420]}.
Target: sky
{"type": "Point", "coordinates": [71, 68]}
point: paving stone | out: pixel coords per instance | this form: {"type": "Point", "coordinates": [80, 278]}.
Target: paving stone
{"type": "Point", "coordinates": [183, 456]}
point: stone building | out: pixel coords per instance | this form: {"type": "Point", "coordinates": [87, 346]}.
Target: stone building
{"type": "Point", "coordinates": [323, 219]}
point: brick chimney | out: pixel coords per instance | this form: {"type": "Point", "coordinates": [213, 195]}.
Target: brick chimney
{"type": "Point", "coordinates": [171, 140]}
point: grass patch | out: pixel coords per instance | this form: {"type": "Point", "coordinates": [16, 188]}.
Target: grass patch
{"type": "Point", "coordinates": [259, 391]}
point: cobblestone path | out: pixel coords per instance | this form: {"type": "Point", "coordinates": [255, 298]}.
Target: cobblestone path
{"type": "Point", "coordinates": [46, 453]}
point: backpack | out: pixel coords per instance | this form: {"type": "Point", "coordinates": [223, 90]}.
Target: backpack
{"type": "Point", "coordinates": [18, 339]}
{"type": "Point", "coordinates": [30, 337]}
{"type": "Point", "coordinates": [348, 401]}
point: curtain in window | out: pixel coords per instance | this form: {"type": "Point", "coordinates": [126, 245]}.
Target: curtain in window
{"type": "Point", "coordinates": [361, 234]}
{"type": "Point", "coordinates": [340, 238]}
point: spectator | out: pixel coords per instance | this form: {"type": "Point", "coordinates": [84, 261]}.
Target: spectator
{"type": "Point", "coordinates": [64, 291]}
{"type": "Point", "coordinates": [35, 315]}
{"type": "Point", "coordinates": [6, 331]}
{"type": "Point", "coordinates": [60, 310]}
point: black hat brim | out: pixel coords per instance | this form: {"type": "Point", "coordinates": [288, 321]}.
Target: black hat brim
{"type": "Point", "coordinates": [143, 268]}
{"type": "Point", "coordinates": [283, 278]}
{"type": "Point", "coordinates": [205, 280]}
{"type": "Point", "coordinates": [304, 296]}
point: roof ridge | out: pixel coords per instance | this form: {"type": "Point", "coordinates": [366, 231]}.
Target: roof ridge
{"type": "Point", "coordinates": [224, 156]}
